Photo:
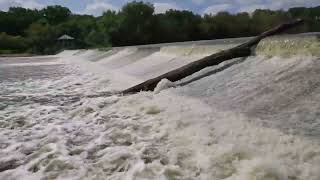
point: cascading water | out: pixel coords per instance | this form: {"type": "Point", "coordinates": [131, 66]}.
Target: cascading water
{"type": "Point", "coordinates": [247, 119]}
{"type": "Point", "coordinates": [290, 45]}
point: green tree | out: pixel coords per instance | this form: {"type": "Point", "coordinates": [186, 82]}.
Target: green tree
{"type": "Point", "coordinates": [79, 27]}
{"type": "Point", "coordinates": [55, 14]}
{"type": "Point", "coordinates": [179, 25]}
{"type": "Point", "coordinates": [17, 19]}
{"type": "Point", "coordinates": [310, 15]}
{"type": "Point", "coordinates": [43, 38]}
{"type": "Point", "coordinates": [135, 24]}
{"type": "Point", "coordinates": [109, 24]}
{"type": "Point", "coordinates": [265, 19]}
{"type": "Point", "coordinates": [315, 19]}
{"type": "Point", "coordinates": [15, 44]}
{"type": "Point", "coordinates": [97, 39]}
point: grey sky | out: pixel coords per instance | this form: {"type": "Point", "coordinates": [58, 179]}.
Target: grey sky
{"type": "Point", "coordinates": [96, 7]}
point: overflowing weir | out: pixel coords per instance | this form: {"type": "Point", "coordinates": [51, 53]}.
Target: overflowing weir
{"type": "Point", "coordinates": [254, 118]}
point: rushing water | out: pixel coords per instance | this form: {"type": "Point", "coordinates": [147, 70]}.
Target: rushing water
{"type": "Point", "coordinates": [247, 119]}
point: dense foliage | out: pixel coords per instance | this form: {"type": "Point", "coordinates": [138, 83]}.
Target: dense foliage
{"type": "Point", "coordinates": [36, 31]}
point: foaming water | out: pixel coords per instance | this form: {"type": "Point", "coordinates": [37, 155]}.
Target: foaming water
{"type": "Point", "coordinates": [196, 50]}
{"type": "Point", "coordinates": [247, 119]}
{"type": "Point", "coordinates": [290, 45]}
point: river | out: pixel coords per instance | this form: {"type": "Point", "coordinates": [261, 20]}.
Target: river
{"type": "Point", "coordinates": [256, 118]}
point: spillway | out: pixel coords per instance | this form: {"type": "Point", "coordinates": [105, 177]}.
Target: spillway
{"type": "Point", "coordinates": [254, 118]}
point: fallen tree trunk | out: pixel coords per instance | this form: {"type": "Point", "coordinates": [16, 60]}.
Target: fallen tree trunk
{"type": "Point", "coordinates": [242, 50]}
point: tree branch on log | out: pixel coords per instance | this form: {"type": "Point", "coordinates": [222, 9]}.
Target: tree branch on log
{"type": "Point", "coordinates": [242, 50]}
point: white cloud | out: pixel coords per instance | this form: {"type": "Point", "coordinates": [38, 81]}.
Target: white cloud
{"type": "Point", "coordinates": [198, 2]}
{"type": "Point", "coordinates": [252, 8]}
{"type": "Point", "coordinates": [214, 9]}
{"type": "Point", "coordinates": [97, 8]}
{"type": "Point", "coordinates": [251, 5]}
{"type": "Point", "coordinates": [163, 7]}
{"type": "Point", "coordinates": [248, 2]}
{"type": "Point", "coordinates": [285, 4]}
{"type": "Point", "coordinates": [30, 4]}
{"type": "Point", "coordinates": [274, 4]}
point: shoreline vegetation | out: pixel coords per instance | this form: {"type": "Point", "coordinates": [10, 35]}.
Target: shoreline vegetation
{"type": "Point", "coordinates": [35, 32]}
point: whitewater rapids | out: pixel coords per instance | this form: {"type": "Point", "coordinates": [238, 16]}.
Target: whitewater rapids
{"type": "Point", "coordinates": [247, 119]}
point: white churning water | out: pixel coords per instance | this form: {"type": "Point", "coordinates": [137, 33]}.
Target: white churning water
{"type": "Point", "coordinates": [246, 119]}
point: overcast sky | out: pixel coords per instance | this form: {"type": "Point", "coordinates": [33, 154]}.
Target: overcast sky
{"type": "Point", "coordinates": [96, 7]}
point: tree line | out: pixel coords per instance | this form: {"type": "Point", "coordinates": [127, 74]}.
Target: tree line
{"type": "Point", "coordinates": [36, 31]}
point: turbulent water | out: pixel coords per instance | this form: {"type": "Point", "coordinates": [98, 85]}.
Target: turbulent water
{"type": "Point", "coordinates": [256, 118]}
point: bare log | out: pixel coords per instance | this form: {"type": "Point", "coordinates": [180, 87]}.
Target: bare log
{"type": "Point", "coordinates": [242, 50]}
